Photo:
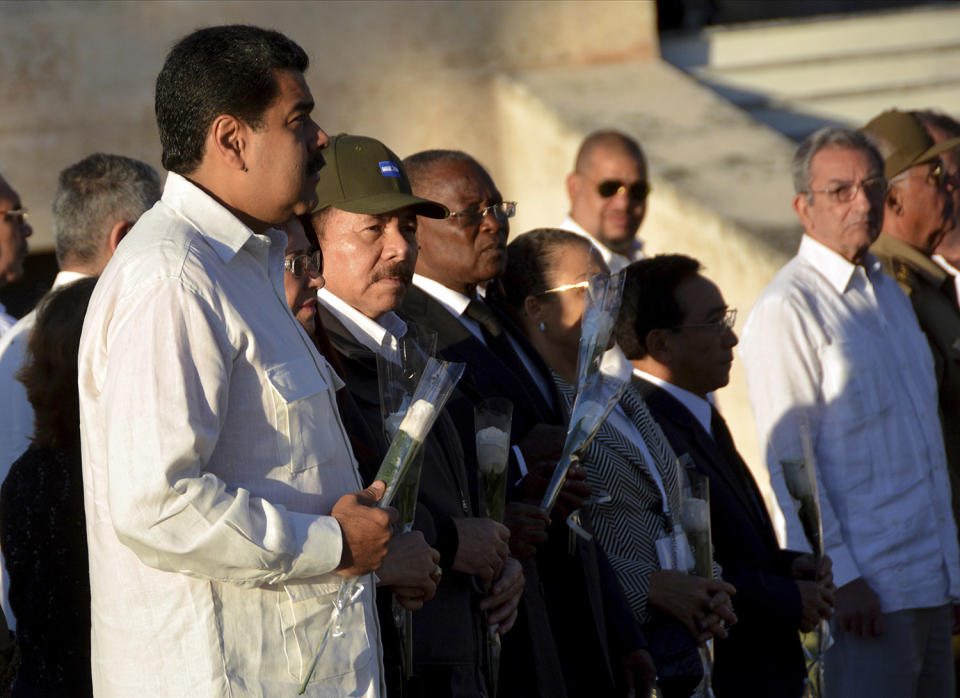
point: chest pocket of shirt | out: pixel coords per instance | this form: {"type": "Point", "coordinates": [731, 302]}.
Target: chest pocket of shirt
{"type": "Point", "coordinates": [306, 420]}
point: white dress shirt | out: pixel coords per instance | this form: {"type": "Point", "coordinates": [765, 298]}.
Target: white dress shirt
{"type": "Point", "coordinates": [16, 413]}
{"type": "Point", "coordinates": [698, 407]}
{"type": "Point", "coordinates": [615, 261]}
{"type": "Point", "coordinates": [379, 336]}
{"type": "Point", "coordinates": [457, 303]}
{"type": "Point", "coordinates": [213, 453]}
{"type": "Point", "coordinates": [951, 270]}
{"type": "Point", "coordinates": [837, 345]}
{"type": "Point", "coordinates": [6, 320]}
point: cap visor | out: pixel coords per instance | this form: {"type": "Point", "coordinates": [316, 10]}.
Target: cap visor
{"type": "Point", "coordinates": [936, 149]}
{"type": "Point", "coordinates": [386, 202]}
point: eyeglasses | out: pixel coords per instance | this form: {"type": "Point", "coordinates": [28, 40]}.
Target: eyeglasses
{"type": "Point", "coordinates": [474, 216]}
{"type": "Point", "coordinates": [305, 263]}
{"type": "Point", "coordinates": [611, 187]}
{"type": "Point", "coordinates": [565, 287]}
{"type": "Point", "coordinates": [720, 326]}
{"type": "Point", "coordinates": [846, 192]}
{"type": "Point", "coordinates": [937, 173]}
{"type": "Point", "coordinates": [15, 215]}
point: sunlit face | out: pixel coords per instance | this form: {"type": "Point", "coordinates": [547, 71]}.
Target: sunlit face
{"type": "Point", "coordinates": [613, 220]}
{"type": "Point", "coordinates": [562, 311]}
{"type": "Point", "coordinates": [452, 251]}
{"type": "Point", "coordinates": [926, 208]}
{"type": "Point", "coordinates": [847, 228]}
{"type": "Point", "coordinates": [951, 164]}
{"type": "Point", "coordinates": [700, 357]}
{"type": "Point", "coordinates": [369, 260]}
{"type": "Point", "coordinates": [14, 231]}
{"type": "Point", "coordinates": [301, 293]}
{"type": "Point", "coordinates": [283, 157]}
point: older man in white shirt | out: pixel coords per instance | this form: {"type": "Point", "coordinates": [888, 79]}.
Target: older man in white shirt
{"type": "Point", "coordinates": [225, 530]}
{"type": "Point", "coordinates": [96, 203]}
{"type": "Point", "coordinates": [832, 348]}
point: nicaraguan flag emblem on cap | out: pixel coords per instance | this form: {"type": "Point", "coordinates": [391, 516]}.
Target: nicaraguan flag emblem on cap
{"type": "Point", "coordinates": [389, 169]}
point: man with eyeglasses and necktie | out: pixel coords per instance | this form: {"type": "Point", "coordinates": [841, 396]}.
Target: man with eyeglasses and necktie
{"type": "Point", "coordinates": [839, 369]}
{"type": "Point", "coordinates": [608, 196]}
{"type": "Point", "coordinates": [677, 331]}
{"type": "Point", "coordinates": [14, 231]}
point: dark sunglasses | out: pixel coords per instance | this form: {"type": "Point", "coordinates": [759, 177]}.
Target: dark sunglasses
{"type": "Point", "coordinates": [611, 187]}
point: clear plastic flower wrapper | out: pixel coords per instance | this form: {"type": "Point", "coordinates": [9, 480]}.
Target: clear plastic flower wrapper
{"type": "Point", "coordinates": [597, 393]}
{"type": "Point", "coordinates": [434, 387]}
{"type": "Point", "coordinates": [801, 479]}
{"type": "Point", "coordinates": [695, 519]}
{"type": "Point", "coordinates": [492, 419]}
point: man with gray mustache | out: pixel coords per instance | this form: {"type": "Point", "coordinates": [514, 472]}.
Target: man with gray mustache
{"type": "Point", "coordinates": [833, 352]}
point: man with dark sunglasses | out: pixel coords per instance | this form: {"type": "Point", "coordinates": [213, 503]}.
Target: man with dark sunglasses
{"type": "Point", "coordinates": [608, 196]}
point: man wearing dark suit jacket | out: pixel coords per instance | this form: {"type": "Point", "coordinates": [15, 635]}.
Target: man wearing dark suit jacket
{"type": "Point", "coordinates": [676, 329]}
{"type": "Point", "coordinates": [577, 647]}
{"type": "Point", "coordinates": [366, 222]}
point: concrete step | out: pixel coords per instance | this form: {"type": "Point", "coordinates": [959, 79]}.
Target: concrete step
{"type": "Point", "coordinates": [763, 43]}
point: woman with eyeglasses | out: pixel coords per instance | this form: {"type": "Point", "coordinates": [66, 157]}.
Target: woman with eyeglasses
{"type": "Point", "coordinates": [629, 464]}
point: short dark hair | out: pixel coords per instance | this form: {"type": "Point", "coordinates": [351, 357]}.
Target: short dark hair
{"type": "Point", "coordinates": [419, 166]}
{"type": "Point", "coordinates": [649, 299]}
{"type": "Point", "coordinates": [49, 371]}
{"type": "Point", "coordinates": [938, 120]}
{"type": "Point", "coordinates": [531, 259]}
{"type": "Point", "coordinates": [92, 195]}
{"type": "Point", "coordinates": [218, 70]}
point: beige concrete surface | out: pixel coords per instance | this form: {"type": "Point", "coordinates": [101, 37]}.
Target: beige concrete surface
{"type": "Point", "coordinates": [78, 77]}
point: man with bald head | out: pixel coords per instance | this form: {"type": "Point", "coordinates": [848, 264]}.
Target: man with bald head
{"type": "Point", "coordinates": [14, 231]}
{"type": "Point", "coordinates": [608, 196]}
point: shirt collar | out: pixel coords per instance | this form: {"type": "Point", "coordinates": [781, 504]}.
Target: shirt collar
{"type": "Point", "coordinates": [833, 266]}
{"type": "Point", "coordinates": [224, 232]}
{"type": "Point", "coordinates": [698, 407]}
{"type": "Point", "coordinates": [454, 301]}
{"type": "Point", "coordinates": [370, 333]}
{"type": "Point", "coordinates": [67, 277]}
{"type": "Point", "coordinates": [572, 226]}
{"type": "Point", "coordinates": [945, 265]}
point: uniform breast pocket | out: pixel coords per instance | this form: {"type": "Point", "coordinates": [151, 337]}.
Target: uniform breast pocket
{"type": "Point", "coordinates": [305, 410]}
{"type": "Point", "coordinates": [854, 384]}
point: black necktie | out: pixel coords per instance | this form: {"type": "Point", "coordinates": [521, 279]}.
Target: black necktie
{"type": "Point", "coordinates": [480, 312]}
{"type": "Point", "coordinates": [738, 469]}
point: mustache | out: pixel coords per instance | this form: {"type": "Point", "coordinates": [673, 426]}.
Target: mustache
{"type": "Point", "coordinates": [397, 270]}
{"type": "Point", "coordinates": [315, 164]}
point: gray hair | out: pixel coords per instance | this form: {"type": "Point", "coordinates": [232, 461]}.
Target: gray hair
{"type": "Point", "coordinates": [92, 195]}
{"type": "Point", "coordinates": [827, 137]}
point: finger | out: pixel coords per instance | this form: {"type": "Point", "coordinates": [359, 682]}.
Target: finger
{"type": "Point", "coordinates": [409, 603]}
{"type": "Point", "coordinates": [434, 557]}
{"type": "Point", "coordinates": [373, 494]}
{"type": "Point", "coordinates": [507, 625]}
{"type": "Point", "coordinates": [393, 514]}
{"type": "Point", "coordinates": [502, 532]}
{"type": "Point", "coordinates": [503, 611]}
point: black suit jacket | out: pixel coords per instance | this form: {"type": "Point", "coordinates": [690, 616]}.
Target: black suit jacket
{"type": "Point", "coordinates": [574, 619]}
{"type": "Point", "coordinates": [447, 655]}
{"type": "Point", "coordinates": [763, 655]}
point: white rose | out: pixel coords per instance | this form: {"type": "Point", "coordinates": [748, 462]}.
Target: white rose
{"type": "Point", "coordinates": [695, 515]}
{"type": "Point", "coordinates": [417, 420]}
{"type": "Point", "coordinates": [492, 450]}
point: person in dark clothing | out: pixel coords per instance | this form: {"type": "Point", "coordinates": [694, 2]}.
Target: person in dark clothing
{"type": "Point", "coordinates": [42, 524]}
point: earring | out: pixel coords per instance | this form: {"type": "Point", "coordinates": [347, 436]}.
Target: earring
{"type": "Point", "coordinates": [243, 168]}
{"type": "Point", "coordinates": [542, 327]}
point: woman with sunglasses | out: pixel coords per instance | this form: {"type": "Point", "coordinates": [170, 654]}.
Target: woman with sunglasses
{"type": "Point", "coordinates": [629, 464]}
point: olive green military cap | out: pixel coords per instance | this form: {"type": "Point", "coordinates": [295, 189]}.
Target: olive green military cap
{"type": "Point", "coordinates": [362, 175]}
{"type": "Point", "coordinates": [905, 140]}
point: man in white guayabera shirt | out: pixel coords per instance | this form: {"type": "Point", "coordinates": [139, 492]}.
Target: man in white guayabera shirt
{"type": "Point", "coordinates": [832, 347]}
{"type": "Point", "coordinates": [221, 495]}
